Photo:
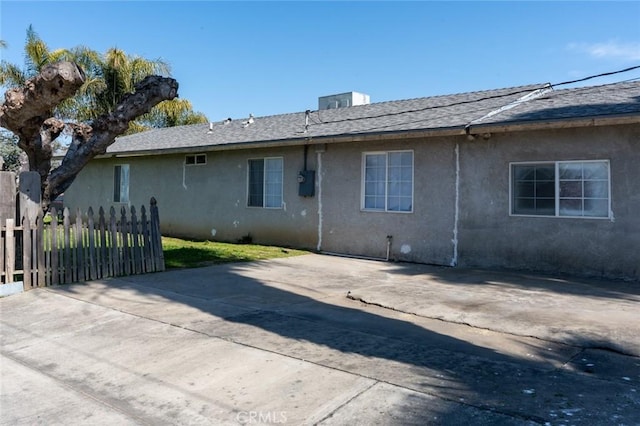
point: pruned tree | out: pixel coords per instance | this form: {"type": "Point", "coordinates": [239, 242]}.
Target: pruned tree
{"type": "Point", "coordinates": [28, 112]}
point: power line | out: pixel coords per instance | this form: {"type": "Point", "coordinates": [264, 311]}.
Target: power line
{"type": "Point", "coordinates": [596, 76]}
{"type": "Point", "coordinates": [432, 107]}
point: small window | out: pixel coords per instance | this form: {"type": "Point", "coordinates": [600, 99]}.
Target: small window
{"type": "Point", "coordinates": [562, 188]}
{"type": "Point", "coordinates": [388, 181]}
{"type": "Point", "coordinates": [197, 159]}
{"type": "Point", "coordinates": [265, 183]}
{"type": "Point", "coordinates": [121, 183]}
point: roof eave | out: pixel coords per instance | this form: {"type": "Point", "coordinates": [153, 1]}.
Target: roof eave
{"type": "Point", "coordinates": [561, 123]}
{"type": "Point", "coordinates": [500, 127]}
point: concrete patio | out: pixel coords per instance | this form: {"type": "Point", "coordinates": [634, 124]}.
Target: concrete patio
{"type": "Point", "coordinates": [323, 340]}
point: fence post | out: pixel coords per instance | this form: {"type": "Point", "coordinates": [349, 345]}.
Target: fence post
{"type": "Point", "coordinates": [7, 196]}
{"type": "Point", "coordinates": [29, 188]}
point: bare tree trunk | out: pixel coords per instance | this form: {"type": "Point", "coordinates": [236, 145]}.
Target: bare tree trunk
{"type": "Point", "coordinates": [27, 113]}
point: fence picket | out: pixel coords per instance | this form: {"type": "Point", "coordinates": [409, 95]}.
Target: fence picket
{"type": "Point", "coordinates": [124, 232]}
{"type": "Point", "coordinates": [10, 244]}
{"type": "Point", "coordinates": [92, 245]}
{"type": "Point", "coordinates": [103, 269]}
{"type": "Point", "coordinates": [41, 271]}
{"type": "Point", "coordinates": [147, 262]}
{"type": "Point", "coordinates": [55, 266]}
{"type": "Point", "coordinates": [26, 253]}
{"type": "Point", "coordinates": [135, 242]}
{"type": "Point", "coordinates": [2, 268]}
{"type": "Point", "coordinates": [67, 246]}
{"type": "Point", "coordinates": [79, 264]}
{"type": "Point", "coordinates": [113, 231]}
{"type": "Point", "coordinates": [156, 237]}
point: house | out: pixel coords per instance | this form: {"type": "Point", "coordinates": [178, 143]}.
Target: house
{"type": "Point", "coordinates": [531, 177]}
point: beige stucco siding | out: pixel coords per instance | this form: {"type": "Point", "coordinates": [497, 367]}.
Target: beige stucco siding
{"type": "Point", "coordinates": [207, 201]}
{"type": "Point", "coordinates": [490, 236]}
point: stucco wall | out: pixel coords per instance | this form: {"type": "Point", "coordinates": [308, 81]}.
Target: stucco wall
{"type": "Point", "coordinates": [491, 237]}
{"type": "Point", "coordinates": [209, 201]}
{"type": "Point", "coordinates": [423, 235]}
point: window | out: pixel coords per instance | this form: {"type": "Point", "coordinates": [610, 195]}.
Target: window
{"type": "Point", "coordinates": [265, 183]}
{"type": "Point", "coordinates": [121, 183]}
{"type": "Point", "coordinates": [388, 181]}
{"type": "Point", "coordinates": [197, 159]}
{"type": "Point", "coordinates": [563, 188]}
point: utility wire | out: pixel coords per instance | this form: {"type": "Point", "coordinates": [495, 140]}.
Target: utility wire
{"type": "Point", "coordinates": [473, 100]}
{"type": "Point", "coordinates": [596, 76]}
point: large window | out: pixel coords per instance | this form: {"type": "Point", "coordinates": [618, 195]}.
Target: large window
{"type": "Point", "coordinates": [562, 188]}
{"type": "Point", "coordinates": [265, 183]}
{"type": "Point", "coordinates": [388, 181]}
{"type": "Point", "coordinates": [121, 183]}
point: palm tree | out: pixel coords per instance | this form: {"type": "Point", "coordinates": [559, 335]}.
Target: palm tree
{"type": "Point", "coordinates": [37, 55]}
{"type": "Point", "coordinates": [108, 78]}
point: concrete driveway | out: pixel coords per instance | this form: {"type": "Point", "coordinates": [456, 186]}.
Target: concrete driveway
{"type": "Point", "coordinates": [323, 340]}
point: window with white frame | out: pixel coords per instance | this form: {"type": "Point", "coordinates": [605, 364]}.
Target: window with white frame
{"type": "Point", "coordinates": [265, 182]}
{"type": "Point", "coordinates": [561, 188]}
{"type": "Point", "coordinates": [121, 183]}
{"type": "Point", "coordinates": [195, 160]}
{"type": "Point", "coordinates": [388, 181]}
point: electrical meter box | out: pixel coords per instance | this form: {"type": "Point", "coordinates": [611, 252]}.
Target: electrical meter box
{"type": "Point", "coordinates": [306, 183]}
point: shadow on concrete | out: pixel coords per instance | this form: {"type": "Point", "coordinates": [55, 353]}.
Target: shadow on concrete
{"type": "Point", "coordinates": [265, 314]}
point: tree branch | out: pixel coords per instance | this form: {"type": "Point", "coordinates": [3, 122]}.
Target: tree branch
{"type": "Point", "coordinates": [89, 141]}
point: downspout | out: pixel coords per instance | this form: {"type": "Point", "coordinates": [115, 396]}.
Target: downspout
{"type": "Point", "coordinates": [319, 247]}
{"type": "Point", "coordinates": [454, 240]}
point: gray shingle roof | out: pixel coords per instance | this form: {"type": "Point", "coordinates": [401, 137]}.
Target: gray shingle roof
{"type": "Point", "coordinates": [432, 114]}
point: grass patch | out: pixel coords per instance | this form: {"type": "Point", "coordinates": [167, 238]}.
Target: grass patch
{"type": "Point", "coordinates": [179, 253]}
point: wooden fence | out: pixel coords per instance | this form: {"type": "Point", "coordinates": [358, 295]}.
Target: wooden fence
{"type": "Point", "coordinates": [91, 248]}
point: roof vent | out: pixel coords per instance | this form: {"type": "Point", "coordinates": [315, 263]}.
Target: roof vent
{"type": "Point", "coordinates": [342, 100]}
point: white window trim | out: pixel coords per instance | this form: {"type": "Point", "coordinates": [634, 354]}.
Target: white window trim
{"type": "Point", "coordinates": [363, 177]}
{"type": "Point", "coordinates": [123, 167]}
{"type": "Point", "coordinates": [557, 189]}
{"type": "Point", "coordinates": [264, 183]}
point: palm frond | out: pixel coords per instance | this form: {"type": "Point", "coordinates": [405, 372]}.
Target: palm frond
{"type": "Point", "coordinates": [11, 75]}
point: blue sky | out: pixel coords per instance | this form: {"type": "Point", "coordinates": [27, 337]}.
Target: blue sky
{"type": "Point", "coordinates": [236, 58]}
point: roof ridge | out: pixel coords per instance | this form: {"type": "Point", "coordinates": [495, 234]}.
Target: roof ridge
{"type": "Point", "coordinates": [533, 86]}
